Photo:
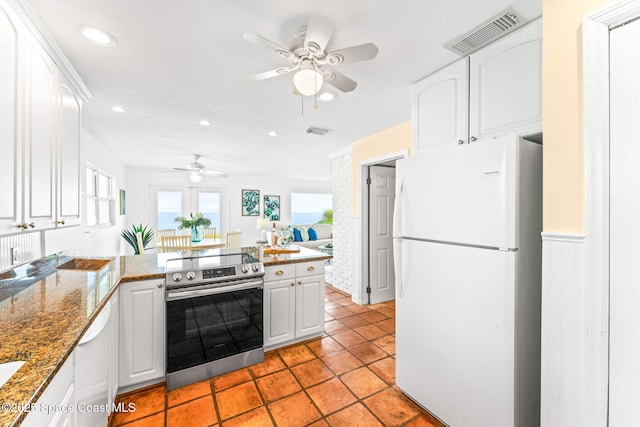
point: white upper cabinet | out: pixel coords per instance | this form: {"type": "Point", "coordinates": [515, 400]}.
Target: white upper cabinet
{"type": "Point", "coordinates": [39, 143]}
{"type": "Point", "coordinates": [10, 160]}
{"type": "Point", "coordinates": [440, 107]}
{"type": "Point", "coordinates": [40, 122]}
{"type": "Point", "coordinates": [506, 85]}
{"type": "Point", "coordinates": [495, 91]}
{"type": "Point", "coordinates": [68, 165]}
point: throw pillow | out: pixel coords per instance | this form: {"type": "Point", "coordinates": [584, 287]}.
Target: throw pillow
{"type": "Point", "coordinates": [304, 233]}
{"type": "Point", "coordinates": [312, 234]}
{"type": "Point", "coordinates": [296, 235]}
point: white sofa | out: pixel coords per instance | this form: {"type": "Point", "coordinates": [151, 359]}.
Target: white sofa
{"type": "Point", "coordinates": [324, 232]}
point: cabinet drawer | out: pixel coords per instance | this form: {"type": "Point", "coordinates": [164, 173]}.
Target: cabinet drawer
{"type": "Point", "coordinates": [309, 268]}
{"type": "Point", "coordinates": [279, 272]}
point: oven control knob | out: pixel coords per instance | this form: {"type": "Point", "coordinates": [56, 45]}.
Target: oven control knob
{"type": "Point", "coordinates": [177, 277]}
{"type": "Point", "coordinates": [191, 275]}
{"type": "Point", "coordinates": [244, 269]}
{"type": "Point", "coordinates": [255, 268]}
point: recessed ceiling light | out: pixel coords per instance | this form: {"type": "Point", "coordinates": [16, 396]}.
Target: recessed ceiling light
{"type": "Point", "coordinates": [118, 109]}
{"type": "Point", "coordinates": [272, 133]}
{"type": "Point", "coordinates": [98, 36]}
{"type": "Point", "coordinates": [204, 123]}
{"type": "Point", "coordinates": [326, 96]}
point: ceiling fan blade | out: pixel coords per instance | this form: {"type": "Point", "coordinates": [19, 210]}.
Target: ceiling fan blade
{"type": "Point", "coordinates": [214, 173]}
{"type": "Point", "coordinates": [361, 52]}
{"type": "Point", "coordinates": [268, 44]}
{"type": "Point", "coordinates": [272, 73]}
{"type": "Point", "coordinates": [170, 171]}
{"type": "Point", "coordinates": [180, 170]}
{"type": "Point", "coordinates": [319, 31]}
{"type": "Point", "coordinates": [339, 81]}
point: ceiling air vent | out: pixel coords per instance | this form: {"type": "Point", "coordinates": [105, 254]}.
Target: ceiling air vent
{"type": "Point", "coordinates": [317, 131]}
{"type": "Point", "coordinates": [485, 33]}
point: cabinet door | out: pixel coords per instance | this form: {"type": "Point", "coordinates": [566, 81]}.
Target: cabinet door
{"type": "Point", "coordinates": [309, 305]}
{"type": "Point", "coordinates": [39, 137]}
{"type": "Point", "coordinates": [142, 338]}
{"type": "Point", "coordinates": [279, 310]}
{"type": "Point", "coordinates": [68, 194]}
{"type": "Point", "coordinates": [506, 85]}
{"type": "Point", "coordinates": [114, 336]}
{"type": "Point", "coordinates": [59, 393]}
{"type": "Point", "coordinates": [10, 196]}
{"type": "Point", "coordinates": [440, 108]}
{"type": "Point", "coordinates": [92, 363]}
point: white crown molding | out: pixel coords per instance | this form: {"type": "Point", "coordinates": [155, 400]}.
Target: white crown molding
{"type": "Point", "coordinates": [35, 25]}
{"type": "Point", "coordinates": [563, 237]}
{"type": "Point", "coordinates": [616, 13]}
{"type": "Point", "coordinates": [340, 153]}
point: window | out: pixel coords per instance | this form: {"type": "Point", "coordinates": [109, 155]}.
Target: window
{"type": "Point", "coordinates": [309, 208]}
{"type": "Point", "coordinates": [170, 203]}
{"type": "Point", "coordinates": [99, 197]}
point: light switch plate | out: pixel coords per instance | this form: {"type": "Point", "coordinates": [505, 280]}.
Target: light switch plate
{"type": "Point", "coordinates": [15, 255]}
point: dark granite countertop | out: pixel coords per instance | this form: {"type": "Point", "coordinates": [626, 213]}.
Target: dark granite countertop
{"type": "Point", "coordinates": [45, 311]}
{"type": "Point", "coordinates": [43, 314]}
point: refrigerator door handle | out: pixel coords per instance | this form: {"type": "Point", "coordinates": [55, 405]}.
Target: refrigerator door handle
{"type": "Point", "coordinates": [396, 208]}
{"type": "Point", "coordinates": [397, 265]}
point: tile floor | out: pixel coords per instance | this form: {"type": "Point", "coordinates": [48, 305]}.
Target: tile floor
{"type": "Point", "coordinates": [345, 378]}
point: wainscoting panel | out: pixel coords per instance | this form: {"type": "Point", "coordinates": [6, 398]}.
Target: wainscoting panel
{"type": "Point", "coordinates": [29, 244]}
{"type": "Point", "coordinates": [564, 331]}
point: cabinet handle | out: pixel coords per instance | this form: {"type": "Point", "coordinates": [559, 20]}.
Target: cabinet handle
{"type": "Point", "coordinates": [32, 225]}
{"type": "Point", "coordinates": [23, 226]}
{"type": "Point", "coordinates": [279, 273]}
{"type": "Point", "coordinates": [460, 141]}
{"type": "Point", "coordinates": [293, 284]}
{"type": "Point", "coordinates": [310, 268]}
{"type": "Point", "coordinates": [159, 285]}
{"type": "Point", "coordinates": [299, 282]}
{"type": "Point", "coordinates": [473, 138]}
{"type": "Point", "coordinates": [61, 222]}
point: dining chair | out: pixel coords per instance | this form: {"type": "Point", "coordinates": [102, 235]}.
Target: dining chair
{"type": "Point", "coordinates": [234, 239]}
{"type": "Point", "coordinates": [209, 232]}
{"type": "Point", "coordinates": [175, 244]}
{"type": "Point", "coordinates": [160, 234]}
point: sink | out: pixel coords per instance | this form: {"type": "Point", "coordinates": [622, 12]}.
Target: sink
{"type": "Point", "coordinates": [7, 370]}
{"type": "Point", "coordinates": [84, 264]}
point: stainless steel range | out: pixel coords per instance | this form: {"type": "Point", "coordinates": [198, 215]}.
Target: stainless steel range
{"type": "Point", "coordinates": [214, 316]}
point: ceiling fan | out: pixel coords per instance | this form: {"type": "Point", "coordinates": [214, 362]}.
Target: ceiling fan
{"type": "Point", "coordinates": [197, 169]}
{"type": "Point", "coordinates": [308, 56]}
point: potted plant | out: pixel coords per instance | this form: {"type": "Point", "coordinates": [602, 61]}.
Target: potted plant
{"type": "Point", "coordinates": [131, 237]}
{"type": "Point", "coordinates": [194, 222]}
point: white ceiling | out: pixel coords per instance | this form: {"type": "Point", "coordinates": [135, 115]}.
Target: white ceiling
{"type": "Point", "coordinates": [177, 62]}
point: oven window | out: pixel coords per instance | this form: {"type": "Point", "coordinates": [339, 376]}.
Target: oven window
{"type": "Point", "coordinates": [208, 328]}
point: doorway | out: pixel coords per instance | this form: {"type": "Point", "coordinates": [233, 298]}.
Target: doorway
{"type": "Point", "coordinates": [374, 272]}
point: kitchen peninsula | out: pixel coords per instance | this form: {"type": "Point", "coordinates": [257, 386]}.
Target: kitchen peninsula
{"type": "Point", "coordinates": [46, 314]}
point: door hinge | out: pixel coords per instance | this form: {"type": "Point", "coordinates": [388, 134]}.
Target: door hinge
{"type": "Point", "coordinates": [368, 289]}
{"type": "Point", "coordinates": [368, 181]}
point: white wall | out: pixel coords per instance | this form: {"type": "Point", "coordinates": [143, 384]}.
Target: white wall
{"type": "Point", "coordinates": [96, 242]}
{"type": "Point", "coordinates": [140, 180]}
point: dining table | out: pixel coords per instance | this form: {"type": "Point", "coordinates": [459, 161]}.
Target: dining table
{"type": "Point", "coordinates": [206, 243]}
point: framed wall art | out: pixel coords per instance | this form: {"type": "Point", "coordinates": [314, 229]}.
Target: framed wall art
{"type": "Point", "coordinates": [272, 207]}
{"type": "Point", "coordinates": [250, 202]}
{"type": "Point", "coordinates": [123, 202]}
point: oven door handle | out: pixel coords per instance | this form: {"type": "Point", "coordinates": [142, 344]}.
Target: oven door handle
{"type": "Point", "coordinates": [177, 295]}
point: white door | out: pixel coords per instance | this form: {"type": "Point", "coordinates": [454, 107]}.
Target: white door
{"type": "Point", "coordinates": [382, 190]}
{"type": "Point", "coordinates": [440, 108]}
{"type": "Point", "coordinates": [505, 81]}
{"type": "Point", "coordinates": [309, 305]}
{"type": "Point", "coordinates": [624, 344]}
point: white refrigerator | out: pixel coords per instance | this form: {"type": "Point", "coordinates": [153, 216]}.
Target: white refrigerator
{"type": "Point", "coordinates": [467, 245]}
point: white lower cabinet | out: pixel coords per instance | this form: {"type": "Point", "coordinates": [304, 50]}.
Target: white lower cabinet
{"type": "Point", "coordinates": [60, 393]}
{"type": "Point", "coordinates": [95, 359]}
{"type": "Point", "coordinates": [142, 336]}
{"type": "Point", "coordinates": [293, 302]}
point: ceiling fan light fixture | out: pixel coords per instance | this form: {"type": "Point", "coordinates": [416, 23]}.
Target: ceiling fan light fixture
{"type": "Point", "coordinates": [308, 81]}
{"type": "Point", "coordinates": [326, 96]}
{"type": "Point", "coordinates": [195, 176]}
